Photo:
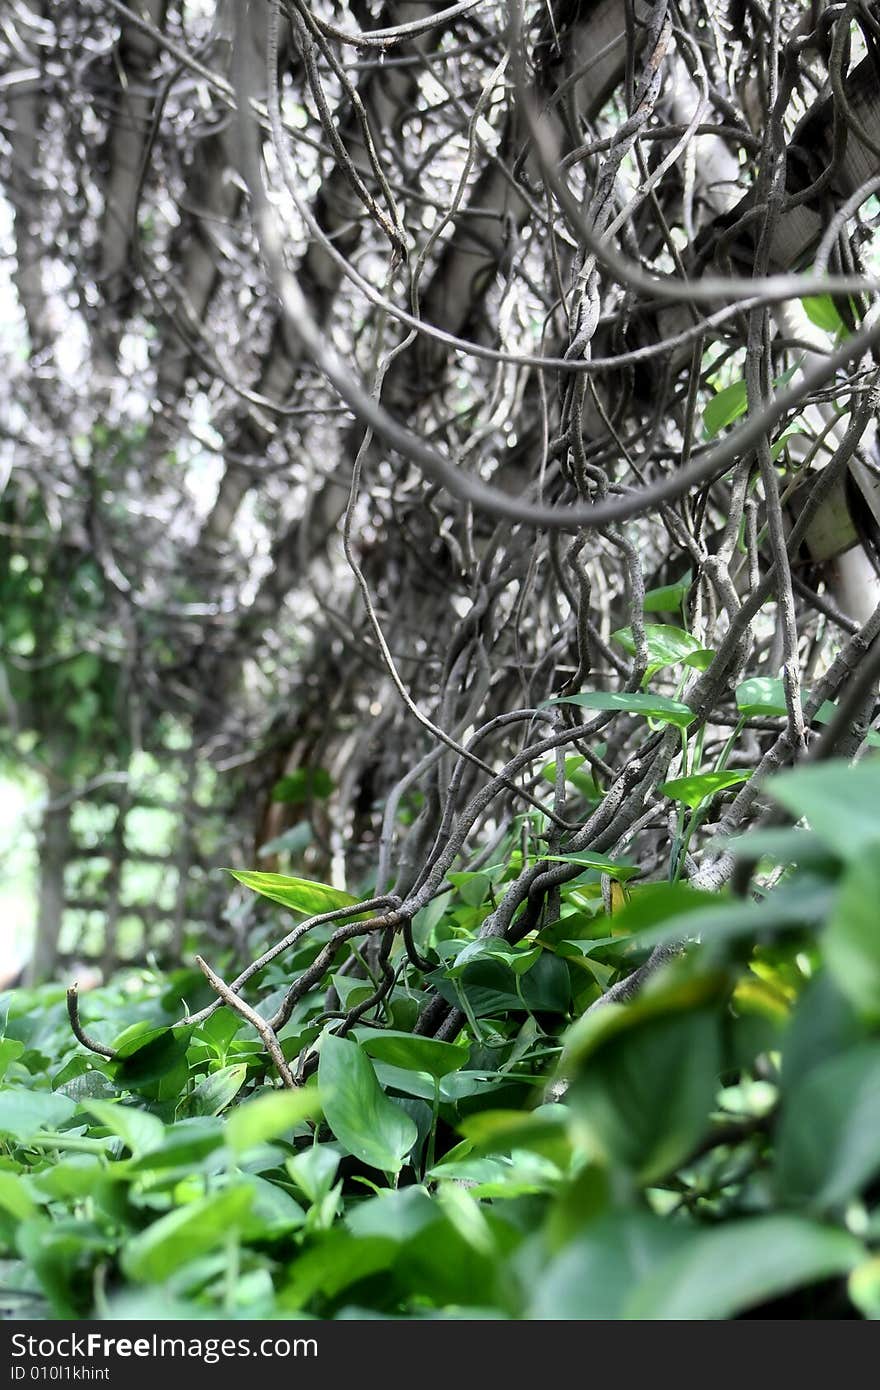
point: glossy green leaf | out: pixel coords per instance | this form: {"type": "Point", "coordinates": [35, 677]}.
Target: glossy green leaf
{"type": "Point", "coordinates": [300, 894]}
{"type": "Point", "coordinates": [366, 1123]}
{"type": "Point", "coordinates": [657, 707]}
{"type": "Point", "coordinates": [841, 803]}
{"type": "Point", "coordinates": [15, 1198]}
{"type": "Point", "coordinates": [851, 940]}
{"type": "Point", "coordinates": [643, 1096]}
{"type": "Point", "coordinates": [23, 1113]}
{"type": "Point", "coordinates": [10, 1051]}
{"type": "Point", "coordinates": [721, 1272]}
{"type": "Point", "coordinates": [821, 310]}
{"type": "Point", "coordinates": [829, 1133]}
{"type": "Point", "coordinates": [185, 1234]}
{"type": "Point", "coordinates": [864, 1288]}
{"type": "Point", "coordinates": [726, 405]}
{"type": "Point", "coordinates": [764, 696]}
{"type": "Point", "coordinates": [619, 869]}
{"type": "Point", "coordinates": [218, 1089]}
{"type": "Point", "coordinates": [667, 646]}
{"type": "Point", "coordinates": [397, 1216]}
{"type": "Point", "coordinates": [149, 1056]}
{"type": "Point", "coordinates": [271, 1115]}
{"type": "Point", "coordinates": [668, 597]}
{"type": "Point", "coordinates": [694, 790]}
{"type": "Point", "coordinates": [413, 1052]}
{"type": "Point", "coordinates": [138, 1129]}
{"type": "Point", "coordinates": [333, 1265]}
{"type": "Point", "coordinates": [594, 1275]}
{"type": "Point", "coordinates": [761, 696]}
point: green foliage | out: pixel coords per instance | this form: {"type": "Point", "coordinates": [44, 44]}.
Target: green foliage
{"type": "Point", "coordinates": [715, 1147]}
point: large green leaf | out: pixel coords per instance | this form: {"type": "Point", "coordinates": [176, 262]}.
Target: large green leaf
{"type": "Point", "coordinates": [269, 1116]}
{"type": "Point", "coordinates": [667, 646]}
{"type": "Point", "coordinates": [15, 1198]}
{"type": "Point", "coordinates": [721, 1272]}
{"type": "Point", "coordinates": [366, 1123]}
{"type": "Point", "coordinates": [841, 803]}
{"type": "Point", "coordinates": [764, 696]}
{"type": "Point", "coordinates": [300, 894]}
{"type": "Point", "coordinates": [851, 940]}
{"type": "Point", "coordinates": [185, 1234]}
{"type": "Point", "coordinates": [643, 1095]}
{"type": "Point", "coordinates": [151, 1059]}
{"type": "Point", "coordinates": [592, 1277]}
{"type": "Point", "coordinates": [215, 1091]}
{"type": "Point", "coordinates": [138, 1129]}
{"type": "Point", "coordinates": [668, 597]}
{"type": "Point", "coordinates": [337, 1262]}
{"type": "Point", "coordinates": [23, 1113]}
{"type": "Point", "coordinates": [701, 786]}
{"type": "Point", "coordinates": [10, 1051]}
{"type": "Point", "coordinates": [657, 707]}
{"type": "Point", "coordinates": [821, 310]}
{"type": "Point", "coordinates": [828, 1144]}
{"type": "Point", "coordinates": [412, 1052]}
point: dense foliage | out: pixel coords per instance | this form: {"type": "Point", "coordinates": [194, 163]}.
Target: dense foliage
{"type": "Point", "coordinates": [440, 481]}
{"type": "Point", "coordinates": [708, 1150]}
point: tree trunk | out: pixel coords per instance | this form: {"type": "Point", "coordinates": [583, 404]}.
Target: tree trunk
{"type": "Point", "coordinates": [55, 845]}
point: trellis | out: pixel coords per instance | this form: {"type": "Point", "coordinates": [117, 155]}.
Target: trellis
{"type": "Point", "coordinates": [113, 913]}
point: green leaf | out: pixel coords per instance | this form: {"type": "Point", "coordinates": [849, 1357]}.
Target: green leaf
{"type": "Point", "coordinates": [851, 940]}
{"type": "Point", "coordinates": [841, 803]}
{"type": "Point", "coordinates": [15, 1198]}
{"type": "Point", "coordinates": [829, 1135]}
{"type": "Point", "coordinates": [412, 1052]}
{"type": "Point", "coordinates": [740, 1264]}
{"type": "Point", "coordinates": [23, 1113]}
{"type": "Point", "coordinates": [651, 706]}
{"type": "Point", "coordinates": [643, 1096]}
{"type": "Point", "coordinates": [667, 646]}
{"type": "Point", "coordinates": [339, 1261]}
{"type": "Point", "coordinates": [138, 1129]}
{"type": "Point", "coordinates": [185, 1234]}
{"type": "Point", "coordinates": [668, 597]}
{"type": "Point", "coordinates": [546, 988]}
{"type": "Point", "coordinates": [864, 1288]}
{"type": "Point", "coordinates": [592, 1277]}
{"type": "Point", "coordinates": [701, 786]}
{"type": "Point", "coordinates": [217, 1089]}
{"type": "Point", "coordinates": [185, 1145]}
{"type": "Point", "coordinates": [761, 696]}
{"type": "Point", "coordinates": [314, 1170]}
{"type": "Point", "coordinates": [619, 869]}
{"type": "Point", "coordinates": [821, 310]}
{"type": "Point", "coordinates": [398, 1215]}
{"type": "Point", "coordinates": [542, 1131]}
{"type": "Point", "coordinates": [300, 894]}
{"type": "Point", "coordinates": [10, 1051]}
{"type": "Point", "coordinates": [274, 1212]}
{"type": "Point", "coordinates": [364, 1120]}
{"type": "Point", "coordinates": [726, 406]}
{"type": "Point", "coordinates": [150, 1055]}
{"type": "Point", "coordinates": [473, 889]}
{"type": "Point", "coordinates": [268, 1116]}
{"type": "Point", "coordinates": [307, 783]}
{"type": "Point", "coordinates": [765, 696]}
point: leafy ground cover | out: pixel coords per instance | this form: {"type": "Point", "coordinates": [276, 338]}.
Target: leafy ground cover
{"type": "Point", "coordinates": [708, 1149]}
